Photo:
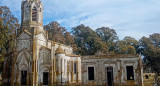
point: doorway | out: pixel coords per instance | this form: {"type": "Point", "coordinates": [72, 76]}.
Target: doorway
{"type": "Point", "coordinates": [110, 76]}
{"type": "Point", "coordinates": [23, 77]}
{"type": "Point", "coordinates": [45, 78]}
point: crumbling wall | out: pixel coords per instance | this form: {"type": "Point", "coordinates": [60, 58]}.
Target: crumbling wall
{"type": "Point", "coordinates": [119, 63]}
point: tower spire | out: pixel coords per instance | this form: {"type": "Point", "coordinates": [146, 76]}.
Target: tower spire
{"type": "Point", "coordinates": [32, 13]}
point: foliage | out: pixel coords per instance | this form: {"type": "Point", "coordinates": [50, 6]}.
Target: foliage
{"type": "Point", "coordinates": [150, 48]}
{"type": "Point", "coordinates": [87, 40]}
{"type": "Point", "coordinates": [109, 36]}
{"type": "Point", "coordinates": [8, 25]}
{"type": "Point", "coordinates": [126, 46]}
{"type": "Point", "coordinates": [55, 32]}
{"type": "Point", "coordinates": [59, 34]}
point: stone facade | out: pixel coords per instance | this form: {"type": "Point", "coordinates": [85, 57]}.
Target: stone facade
{"type": "Point", "coordinates": [37, 61]}
{"type": "Point", "coordinates": [111, 70]}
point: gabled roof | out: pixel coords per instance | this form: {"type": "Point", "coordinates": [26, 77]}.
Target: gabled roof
{"type": "Point", "coordinates": [22, 32]}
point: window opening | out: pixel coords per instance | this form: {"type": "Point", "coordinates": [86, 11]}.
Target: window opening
{"type": "Point", "coordinates": [90, 73]}
{"type": "Point", "coordinates": [34, 14]}
{"type": "Point", "coordinates": [130, 73]}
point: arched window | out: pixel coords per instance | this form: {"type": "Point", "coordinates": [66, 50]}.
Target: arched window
{"type": "Point", "coordinates": [34, 14]}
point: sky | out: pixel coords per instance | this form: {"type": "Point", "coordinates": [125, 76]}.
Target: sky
{"type": "Point", "coordinates": [135, 18]}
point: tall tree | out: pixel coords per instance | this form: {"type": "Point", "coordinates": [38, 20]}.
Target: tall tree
{"type": "Point", "coordinates": [126, 46]}
{"type": "Point", "coordinates": [59, 34]}
{"type": "Point", "coordinates": [55, 31]}
{"type": "Point", "coordinates": [109, 36]}
{"type": "Point", "coordinates": [8, 26]}
{"type": "Point", "coordinates": [69, 40]}
{"type": "Point", "coordinates": [150, 48]}
{"type": "Point", "coordinates": [87, 40]}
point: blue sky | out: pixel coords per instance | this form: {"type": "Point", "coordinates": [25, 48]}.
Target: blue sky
{"type": "Point", "coordinates": [134, 18]}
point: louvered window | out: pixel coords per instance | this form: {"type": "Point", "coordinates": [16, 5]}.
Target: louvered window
{"type": "Point", "coordinates": [34, 14]}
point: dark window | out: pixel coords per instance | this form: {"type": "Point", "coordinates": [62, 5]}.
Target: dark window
{"type": "Point", "coordinates": [75, 67]}
{"type": "Point", "coordinates": [45, 78]}
{"type": "Point", "coordinates": [34, 14]}
{"type": "Point", "coordinates": [146, 76]}
{"type": "Point", "coordinates": [110, 76]}
{"type": "Point", "coordinates": [90, 73]}
{"type": "Point", "coordinates": [23, 77]}
{"type": "Point", "coordinates": [130, 73]}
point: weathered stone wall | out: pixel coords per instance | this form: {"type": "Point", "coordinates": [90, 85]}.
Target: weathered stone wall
{"type": "Point", "coordinates": [65, 68]}
{"type": "Point", "coordinates": [119, 63]}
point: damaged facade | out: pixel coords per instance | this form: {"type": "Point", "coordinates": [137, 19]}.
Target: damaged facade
{"type": "Point", "coordinates": [112, 70]}
{"type": "Point", "coordinates": [38, 61]}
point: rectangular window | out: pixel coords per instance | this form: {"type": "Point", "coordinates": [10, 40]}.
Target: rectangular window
{"type": "Point", "coordinates": [75, 68]}
{"type": "Point", "coordinates": [90, 73]}
{"type": "Point", "coordinates": [130, 73]}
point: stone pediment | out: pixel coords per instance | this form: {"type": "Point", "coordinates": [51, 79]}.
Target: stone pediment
{"type": "Point", "coordinates": [25, 35]}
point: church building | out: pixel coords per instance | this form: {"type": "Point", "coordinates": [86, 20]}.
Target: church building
{"type": "Point", "coordinates": [37, 61]}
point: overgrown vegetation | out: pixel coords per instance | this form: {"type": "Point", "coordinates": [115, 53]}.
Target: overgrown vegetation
{"type": "Point", "coordinates": [8, 25]}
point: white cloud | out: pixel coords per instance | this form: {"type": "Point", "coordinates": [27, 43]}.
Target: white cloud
{"type": "Point", "coordinates": [128, 17]}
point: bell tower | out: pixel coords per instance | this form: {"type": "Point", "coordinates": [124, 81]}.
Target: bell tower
{"type": "Point", "coordinates": [32, 14]}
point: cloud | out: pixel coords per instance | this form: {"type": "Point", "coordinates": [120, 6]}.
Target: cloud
{"type": "Point", "coordinates": [134, 18]}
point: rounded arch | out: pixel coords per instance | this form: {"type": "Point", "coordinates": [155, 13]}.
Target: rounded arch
{"type": "Point", "coordinates": [45, 69]}
{"type": "Point", "coordinates": [23, 67]}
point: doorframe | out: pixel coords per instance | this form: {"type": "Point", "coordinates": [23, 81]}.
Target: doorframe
{"type": "Point", "coordinates": [43, 78]}
{"type": "Point", "coordinates": [106, 76]}
{"type": "Point", "coordinates": [23, 68]}
{"type": "Point", "coordinates": [45, 69]}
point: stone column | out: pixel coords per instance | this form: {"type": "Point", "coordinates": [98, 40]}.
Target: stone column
{"type": "Point", "coordinates": [35, 55]}
{"type": "Point", "coordinates": [72, 71]}
{"type": "Point", "coordinates": [36, 73]}
{"type": "Point", "coordinates": [54, 65]}
{"type": "Point", "coordinates": [67, 71]}
{"type": "Point", "coordinates": [32, 75]}
{"type": "Point", "coordinates": [77, 71]}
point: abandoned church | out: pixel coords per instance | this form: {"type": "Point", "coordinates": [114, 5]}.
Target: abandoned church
{"type": "Point", "coordinates": [38, 61]}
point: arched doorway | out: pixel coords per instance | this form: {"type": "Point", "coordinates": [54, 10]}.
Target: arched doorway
{"type": "Point", "coordinates": [24, 76]}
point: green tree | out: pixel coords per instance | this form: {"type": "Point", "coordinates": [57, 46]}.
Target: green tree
{"type": "Point", "coordinates": [69, 40]}
{"type": "Point", "coordinates": [150, 48]}
{"type": "Point", "coordinates": [8, 26]}
{"type": "Point", "coordinates": [55, 32]}
{"type": "Point", "coordinates": [126, 46]}
{"type": "Point", "coordinates": [87, 40]}
{"type": "Point", "coordinates": [59, 34]}
{"type": "Point", "coordinates": [109, 36]}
